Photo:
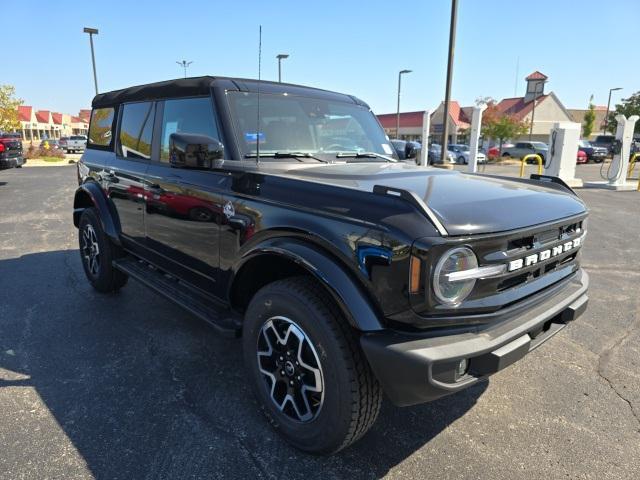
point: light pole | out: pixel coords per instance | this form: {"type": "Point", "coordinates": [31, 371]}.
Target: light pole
{"type": "Point", "coordinates": [184, 64]}
{"type": "Point", "coordinates": [92, 32]}
{"type": "Point", "coordinates": [447, 93]}
{"type": "Point", "coordinates": [606, 117]}
{"type": "Point", "coordinates": [280, 57]}
{"type": "Point", "coordinates": [400, 73]}
{"type": "Point", "coordinates": [533, 110]}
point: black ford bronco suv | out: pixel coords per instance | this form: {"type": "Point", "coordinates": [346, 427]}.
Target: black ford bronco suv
{"type": "Point", "coordinates": [279, 213]}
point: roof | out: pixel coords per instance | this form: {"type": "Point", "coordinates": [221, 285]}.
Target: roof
{"type": "Point", "coordinates": [42, 116]}
{"type": "Point", "coordinates": [85, 113]}
{"type": "Point", "coordinates": [458, 115]}
{"type": "Point", "coordinates": [407, 119]}
{"type": "Point", "coordinates": [24, 112]}
{"type": "Point", "coordinates": [517, 107]}
{"type": "Point", "coordinates": [537, 76]}
{"type": "Point", "coordinates": [75, 119]}
{"type": "Point", "coordinates": [195, 86]}
{"type": "Point", "coordinates": [57, 118]}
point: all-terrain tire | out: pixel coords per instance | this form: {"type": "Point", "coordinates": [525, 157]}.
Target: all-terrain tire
{"type": "Point", "coordinates": [97, 252]}
{"type": "Point", "coordinates": [351, 396]}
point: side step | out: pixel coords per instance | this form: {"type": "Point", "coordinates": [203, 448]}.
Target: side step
{"type": "Point", "coordinates": [189, 298]}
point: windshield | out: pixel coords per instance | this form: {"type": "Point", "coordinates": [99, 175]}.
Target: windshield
{"type": "Point", "coordinates": [539, 145]}
{"type": "Point", "coordinates": [305, 125]}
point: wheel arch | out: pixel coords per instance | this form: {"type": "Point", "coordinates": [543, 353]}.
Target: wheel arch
{"type": "Point", "coordinates": [284, 257]}
{"type": "Point", "coordinates": [90, 195]}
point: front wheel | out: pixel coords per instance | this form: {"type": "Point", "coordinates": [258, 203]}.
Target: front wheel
{"type": "Point", "coordinates": [97, 253]}
{"type": "Point", "coordinates": [306, 366]}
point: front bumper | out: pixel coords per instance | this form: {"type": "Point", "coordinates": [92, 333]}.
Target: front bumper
{"type": "Point", "coordinates": [419, 367]}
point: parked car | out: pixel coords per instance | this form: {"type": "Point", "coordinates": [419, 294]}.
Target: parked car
{"type": "Point", "coordinates": [51, 144]}
{"type": "Point", "coordinates": [347, 273]}
{"type": "Point", "coordinates": [75, 143]}
{"type": "Point", "coordinates": [433, 155]}
{"type": "Point", "coordinates": [406, 150]}
{"type": "Point", "coordinates": [520, 149]}
{"type": "Point", "coordinates": [594, 153]}
{"type": "Point", "coordinates": [582, 157]}
{"type": "Point", "coordinates": [11, 155]}
{"type": "Point", "coordinates": [605, 141]}
{"type": "Point", "coordinates": [461, 153]}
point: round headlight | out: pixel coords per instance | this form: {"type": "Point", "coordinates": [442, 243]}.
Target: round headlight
{"type": "Point", "coordinates": [455, 260]}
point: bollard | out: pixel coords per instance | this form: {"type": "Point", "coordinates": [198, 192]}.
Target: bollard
{"type": "Point", "coordinates": [632, 163]}
{"type": "Point", "coordinates": [524, 160]}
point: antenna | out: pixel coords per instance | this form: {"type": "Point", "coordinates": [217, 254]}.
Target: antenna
{"type": "Point", "coordinates": [258, 106]}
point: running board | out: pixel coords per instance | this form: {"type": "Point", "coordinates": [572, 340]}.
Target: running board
{"type": "Point", "coordinates": [182, 294]}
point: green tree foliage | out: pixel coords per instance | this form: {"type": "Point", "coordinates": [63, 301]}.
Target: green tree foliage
{"type": "Point", "coordinates": [501, 126]}
{"type": "Point", "coordinates": [589, 119]}
{"type": "Point", "coordinates": [628, 106]}
{"type": "Point", "coordinates": [9, 119]}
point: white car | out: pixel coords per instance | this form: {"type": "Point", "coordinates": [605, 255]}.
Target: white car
{"type": "Point", "coordinates": [461, 154]}
{"type": "Point", "coordinates": [434, 154]}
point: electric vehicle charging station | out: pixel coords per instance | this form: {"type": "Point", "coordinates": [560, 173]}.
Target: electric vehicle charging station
{"type": "Point", "coordinates": [476, 122]}
{"type": "Point", "coordinates": [563, 150]}
{"type": "Point", "coordinates": [616, 174]}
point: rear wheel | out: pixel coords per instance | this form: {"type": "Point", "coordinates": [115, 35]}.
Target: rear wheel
{"type": "Point", "coordinates": [97, 252]}
{"type": "Point", "coordinates": [306, 366]}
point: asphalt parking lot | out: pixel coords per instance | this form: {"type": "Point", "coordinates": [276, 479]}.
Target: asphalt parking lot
{"type": "Point", "coordinates": [130, 386]}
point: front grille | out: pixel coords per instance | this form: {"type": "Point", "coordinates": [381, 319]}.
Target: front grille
{"type": "Point", "coordinates": [496, 292]}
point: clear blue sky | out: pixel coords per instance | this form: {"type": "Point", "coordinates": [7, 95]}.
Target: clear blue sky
{"type": "Point", "coordinates": [353, 47]}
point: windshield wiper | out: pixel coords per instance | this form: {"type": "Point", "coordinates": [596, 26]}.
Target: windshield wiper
{"type": "Point", "coordinates": [284, 154]}
{"type": "Point", "coordinates": [364, 155]}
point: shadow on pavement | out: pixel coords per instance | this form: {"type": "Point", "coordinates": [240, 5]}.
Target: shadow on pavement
{"type": "Point", "coordinates": [142, 390]}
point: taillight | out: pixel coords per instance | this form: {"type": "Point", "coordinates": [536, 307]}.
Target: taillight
{"type": "Point", "coordinates": [2, 148]}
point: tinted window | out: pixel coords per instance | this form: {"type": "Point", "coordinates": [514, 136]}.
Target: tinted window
{"type": "Point", "coordinates": [521, 145]}
{"type": "Point", "coordinates": [78, 137]}
{"type": "Point", "coordinates": [136, 128]}
{"type": "Point", "coordinates": [100, 127]}
{"type": "Point", "coordinates": [188, 115]}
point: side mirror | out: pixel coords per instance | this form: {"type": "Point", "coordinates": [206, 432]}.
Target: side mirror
{"type": "Point", "coordinates": [188, 150]}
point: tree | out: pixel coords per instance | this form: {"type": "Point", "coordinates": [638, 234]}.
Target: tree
{"type": "Point", "coordinates": [496, 124]}
{"type": "Point", "coordinates": [9, 119]}
{"type": "Point", "coordinates": [589, 119]}
{"type": "Point", "coordinates": [628, 106]}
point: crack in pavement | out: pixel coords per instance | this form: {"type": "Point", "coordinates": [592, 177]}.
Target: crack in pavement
{"type": "Point", "coordinates": [604, 358]}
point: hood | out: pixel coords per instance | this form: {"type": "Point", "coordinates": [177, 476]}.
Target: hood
{"type": "Point", "coordinates": [464, 203]}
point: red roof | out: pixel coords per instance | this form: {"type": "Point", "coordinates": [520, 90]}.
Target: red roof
{"type": "Point", "coordinates": [85, 114]}
{"type": "Point", "coordinates": [24, 112]}
{"type": "Point", "coordinates": [517, 106]}
{"type": "Point", "coordinates": [457, 115]}
{"type": "Point", "coordinates": [407, 119]}
{"type": "Point", "coordinates": [78, 120]}
{"type": "Point", "coordinates": [537, 76]}
{"type": "Point", "coordinates": [57, 118]}
{"type": "Point", "coordinates": [42, 116]}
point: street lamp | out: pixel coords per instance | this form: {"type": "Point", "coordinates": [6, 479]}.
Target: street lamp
{"type": "Point", "coordinates": [533, 111]}
{"type": "Point", "coordinates": [447, 92]}
{"type": "Point", "coordinates": [400, 73]}
{"type": "Point", "coordinates": [280, 57]}
{"type": "Point", "coordinates": [92, 32]}
{"type": "Point", "coordinates": [606, 117]}
{"type": "Point", "coordinates": [184, 64]}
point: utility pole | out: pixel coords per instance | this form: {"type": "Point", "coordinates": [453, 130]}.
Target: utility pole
{"type": "Point", "coordinates": [400, 73]}
{"type": "Point", "coordinates": [606, 117]}
{"type": "Point", "coordinates": [92, 32]}
{"type": "Point", "coordinates": [280, 57]}
{"type": "Point", "coordinates": [184, 64]}
{"type": "Point", "coordinates": [447, 93]}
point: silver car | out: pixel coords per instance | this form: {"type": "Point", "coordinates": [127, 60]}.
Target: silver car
{"type": "Point", "coordinates": [461, 153]}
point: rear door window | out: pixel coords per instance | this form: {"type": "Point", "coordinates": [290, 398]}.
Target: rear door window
{"type": "Point", "coordinates": [136, 128]}
{"type": "Point", "coordinates": [101, 127]}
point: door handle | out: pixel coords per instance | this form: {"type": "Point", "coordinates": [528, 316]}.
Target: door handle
{"type": "Point", "coordinates": [237, 223]}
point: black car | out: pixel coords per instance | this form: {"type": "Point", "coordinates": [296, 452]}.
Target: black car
{"type": "Point", "coordinates": [605, 141]}
{"type": "Point", "coordinates": [346, 273]}
{"type": "Point", "coordinates": [406, 149]}
{"type": "Point", "coordinates": [594, 153]}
